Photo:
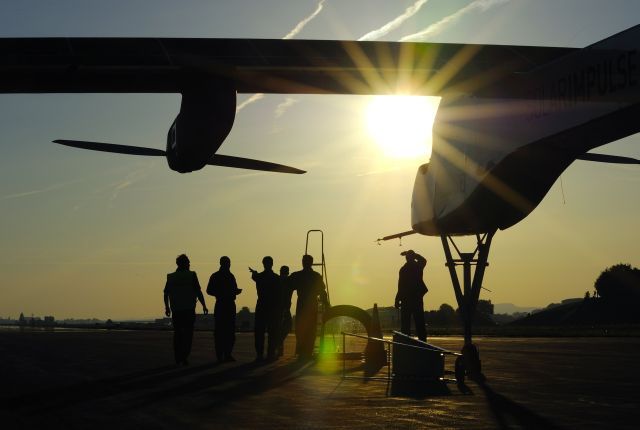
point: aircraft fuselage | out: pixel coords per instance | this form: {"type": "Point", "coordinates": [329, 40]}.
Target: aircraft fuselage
{"type": "Point", "coordinates": [494, 159]}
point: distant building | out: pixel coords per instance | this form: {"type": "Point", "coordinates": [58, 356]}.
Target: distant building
{"type": "Point", "coordinates": [389, 318]}
{"type": "Point", "coordinates": [7, 321]}
{"type": "Point", "coordinates": [204, 322]}
{"type": "Point", "coordinates": [485, 307]}
{"type": "Point", "coordinates": [163, 321]}
{"type": "Point", "coordinates": [245, 319]}
{"type": "Point", "coordinates": [34, 321]}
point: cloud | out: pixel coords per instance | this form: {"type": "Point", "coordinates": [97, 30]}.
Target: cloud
{"type": "Point", "coordinates": [395, 23]}
{"type": "Point", "coordinates": [296, 29]}
{"type": "Point", "coordinates": [435, 28]}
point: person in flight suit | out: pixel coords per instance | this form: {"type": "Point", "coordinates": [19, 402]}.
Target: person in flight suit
{"type": "Point", "coordinates": [309, 286]}
{"type": "Point", "coordinates": [181, 291]}
{"type": "Point", "coordinates": [268, 309]}
{"type": "Point", "coordinates": [411, 289]}
{"type": "Point", "coordinates": [222, 285]}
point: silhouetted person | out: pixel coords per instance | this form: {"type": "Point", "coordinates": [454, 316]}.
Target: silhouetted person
{"type": "Point", "coordinates": [411, 289]}
{"type": "Point", "coordinates": [286, 292]}
{"type": "Point", "coordinates": [222, 285]}
{"type": "Point", "coordinates": [180, 294]}
{"type": "Point", "coordinates": [268, 313]}
{"type": "Point", "coordinates": [310, 287]}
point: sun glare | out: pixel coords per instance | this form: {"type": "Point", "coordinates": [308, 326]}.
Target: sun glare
{"type": "Point", "coordinates": [401, 125]}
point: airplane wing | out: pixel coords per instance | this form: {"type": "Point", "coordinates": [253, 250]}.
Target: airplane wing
{"type": "Point", "coordinates": [163, 65]}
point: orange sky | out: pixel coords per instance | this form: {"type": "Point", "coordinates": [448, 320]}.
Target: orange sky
{"type": "Point", "coordinates": [93, 235]}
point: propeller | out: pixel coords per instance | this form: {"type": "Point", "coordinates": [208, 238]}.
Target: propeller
{"type": "Point", "coordinates": [216, 160]}
{"type": "Point", "coordinates": [110, 147]}
{"type": "Point", "coordinates": [248, 163]}
{"type": "Point", "coordinates": [603, 158]}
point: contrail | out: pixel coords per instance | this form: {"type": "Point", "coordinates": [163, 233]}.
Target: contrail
{"type": "Point", "coordinates": [129, 180]}
{"type": "Point", "coordinates": [33, 192]}
{"type": "Point", "coordinates": [297, 29]}
{"type": "Point", "coordinates": [372, 35]}
{"type": "Point", "coordinates": [120, 186]}
{"type": "Point", "coordinates": [253, 98]}
{"type": "Point", "coordinates": [435, 28]}
{"type": "Point", "coordinates": [395, 23]}
{"type": "Point", "coordinates": [282, 107]}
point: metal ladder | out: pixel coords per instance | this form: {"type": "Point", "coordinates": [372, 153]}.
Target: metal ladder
{"type": "Point", "coordinates": [323, 272]}
{"type": "Point", "coordinates": [323, 263]}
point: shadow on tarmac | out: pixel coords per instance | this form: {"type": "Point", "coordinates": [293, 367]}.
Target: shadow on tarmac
{"type": "Point", "coordinates": [509, 414]}
{"type": "Point", "coordinates": [230, 384]}
{"type": "Point", "coordinates": [85, 391]}
{"type": "Point", "coordinates": [418, 389]}
{"type": "Point", "coordinates": [255, 384]}
{"type": "Point", "coordinates": [150, 381]}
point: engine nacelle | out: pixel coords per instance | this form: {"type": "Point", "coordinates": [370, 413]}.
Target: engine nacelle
{"type": "Point", "coordinates": [206, 116]}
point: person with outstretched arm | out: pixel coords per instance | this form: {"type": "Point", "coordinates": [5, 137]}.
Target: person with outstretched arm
{"type": "Point", "coordinates": [268, 315]}
{"type": "Point", "coordinates": [222, 285]}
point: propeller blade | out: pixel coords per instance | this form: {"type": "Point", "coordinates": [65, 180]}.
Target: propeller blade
{"type": "Point", "coordinates": [110, 147]}
{"type": "Point", "coordinates": [248, 163]}
{"type": "Point", "coordinates": [603, 158]}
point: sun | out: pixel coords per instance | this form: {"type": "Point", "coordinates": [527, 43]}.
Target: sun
{"type": "Point", "coordinates": [401, 125]}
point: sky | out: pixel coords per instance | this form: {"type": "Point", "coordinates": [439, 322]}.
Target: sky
{"type": "Point", "coordinates": [86, 234]}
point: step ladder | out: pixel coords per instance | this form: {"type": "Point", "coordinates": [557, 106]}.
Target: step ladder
{"type": "Point", "coordinates": [322, 263]}
{"type": "Point", "coordinates": [319, 234]}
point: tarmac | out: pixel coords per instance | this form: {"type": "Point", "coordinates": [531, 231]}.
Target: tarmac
{"type": "Point", "coordinates": [100, 379]}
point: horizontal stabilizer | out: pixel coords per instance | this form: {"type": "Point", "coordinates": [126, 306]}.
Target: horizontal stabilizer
{"type": "Point", "coordinates": [248, 163]}
{"type": "Point", "coordinates": [603, 158]}
{"type": "Point", "coordinates": [110, 147]}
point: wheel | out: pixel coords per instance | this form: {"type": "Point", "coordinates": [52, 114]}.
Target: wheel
{"type": "Point", "coordinates": [459, 370]}
{"type": "Point", "coordinates": [472, 363]}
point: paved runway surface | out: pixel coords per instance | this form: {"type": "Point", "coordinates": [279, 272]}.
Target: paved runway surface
{"type": "Point", "coordinates": [125, 380]}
